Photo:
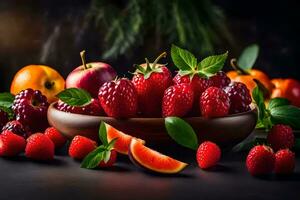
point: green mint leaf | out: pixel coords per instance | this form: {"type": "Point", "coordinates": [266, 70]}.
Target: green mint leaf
{"type": "Point", "coordinates": [258, 97]}
{"type": "Point", "coordinates": [106, 156]}
{"type": "Point", "coordinates": [75, 97]}
{"type": "Point", "coordinates": [248, 57]}
{"type": "Point", "coordinates": [6, 99]}
{"type": "Point", "coordinates": [288, 114]}
{"type": "Point", "coordinates": [103, 133]}
{"type": "Point", "coordinates": [181, 132]}
{"type": "Point", "coordinates": [111, 144]}
{"type": "Point", "coordinates": [183, 59]}
{"type": "Point", "coordinates": [93, 159]}
{"type": "Point", "coordinates": [275, 102]}
{"type": "Point", "coordinates": [212, 64]}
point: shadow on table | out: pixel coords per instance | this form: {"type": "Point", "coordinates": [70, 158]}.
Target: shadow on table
{"type": "Point", "coordinates": [291, 177]}
{"type": "Point", "coordinates": [55, 162]}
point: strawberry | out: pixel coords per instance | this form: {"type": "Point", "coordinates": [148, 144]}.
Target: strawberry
{"type": "Point", "coordinates": [284, 161]}
{"type": "Point", "coordinates": [281, 137]}
{"type": "Point", "coordinates": [111, 161]}
{"type": "Point", "coordinates": [81, 146]}
{"type": "Point", "coordinates": [214, 102]}
{"type": "Point", "coordinates": [177, 100]}
{"type": "Point", "coordinates": [39, 147]}
{"type": "Point", "coordinates": [118, 98]}
{"type": "Point", "coordinates": [260, 160]}
{"type": "Point", "coordinates": [57, 138]}
{"type": "Point", "coordinates": [11, 144]}
{"type": "Point", "coordinates": [150, 81]}
{"type": "Point", "coordinates": [208, 155]}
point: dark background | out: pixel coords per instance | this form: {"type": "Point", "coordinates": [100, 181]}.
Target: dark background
{"type": "Point", "coordinates": [52, 33]}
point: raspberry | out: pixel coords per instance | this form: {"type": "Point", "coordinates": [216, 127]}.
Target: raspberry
{"type": "Point", "coordinates": [281, 137]}
{"type": "Point", "coordinates": [208, 155]}
{"type": "Point", "coordinates": [39, 147]}
{"type": "Point", "coordinates": [178, 100]}
{"type": "Point", "coordinates": [30, 107]}
{"type": "Point", "coordinates": [94, 108]}
{"type": "Point", "coordinates": [111, 161]}
{"type": "Point", "coordinates": [17, 128]}
{"type": "Point", "coordinates": [240, 97]}
{"type": "Point", "coordinates": [3, 118]}
{"type": "Point", "coordinates": [56, 137]}
{"type": "Point", "coordinates": [220, 80]}
{"type": "Point", "coordinates": [214, 102]}
{"type": "Point", "coordinates": [284, 162]}
{"type": "Point", "coordinates": [81, 146]}
{"type": "Point", "coordinates": [260, 160]}
{"type": "Point", "coordinates": [11, 144]}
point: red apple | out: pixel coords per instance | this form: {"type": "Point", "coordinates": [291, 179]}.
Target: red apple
{"type": "Point", "coordinates": [90, 76]}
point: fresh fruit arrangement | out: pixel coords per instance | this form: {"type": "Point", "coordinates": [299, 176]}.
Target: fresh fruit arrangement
{"type": "Point", "coordinates": [199, 89]}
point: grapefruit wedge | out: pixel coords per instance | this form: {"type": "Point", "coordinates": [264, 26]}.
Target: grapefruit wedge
{"type": "Point", "coordinates": [123, 141]}
{"type": "Point", "coordinates": [152, 160]}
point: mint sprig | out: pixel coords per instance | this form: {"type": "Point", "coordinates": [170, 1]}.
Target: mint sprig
{"type": "Point", "coordinates": [188, 64]}
{"type": "Point", "coordinates": [75, 97]}
{"type": "Point", "coordinates": [6, 101]}
{"type": "Point", "coordinates": [248, 57]}
{"type": "Point", "coordinates": [101, 153]}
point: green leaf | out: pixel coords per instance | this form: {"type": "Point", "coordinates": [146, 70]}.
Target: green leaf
{"type": "Point", "coordinates": [212, 64]}
{"type": "Point", "coordinates": [183, 59]}
{"type": "Point", "coordinates": [288, 114]}
{"type": "Point", "coordinates": [103, 133]}
{"type": "Point", "coordinates": [75, 97]}
{"type": "Point", "coordinates": [106, 156]}
{"type": "Point", "coordinates": [248, 57]}
{"type": "Point", "coordinates": [259, 100]}
{"type": "Point", "coordinates": [181, 132]}
{"type": "Point", "coordinates": [94, 158]}
{"type": "Point", "coordinates": [6, 99]}
{"type": "Point", "coordinates": [111, 144]}
{"type": "Point", "coordinates": [275, 102]}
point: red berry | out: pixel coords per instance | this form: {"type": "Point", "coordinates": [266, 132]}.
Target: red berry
{"type": "Point", "coordinates": [284, 162]}
{"type": "Point", "coordinates": [118, 98]}
{"type": "Point", "coordinates": [56, 137]}
{"type": "Point", "coordinates": [3, 118]}
{"type": "Point", "coordinates": [94, 108]}
{"type": "Point", "coordinates": [111, 161]}
{"type": "Point", "coordinates": [11, 144]}
{"type": "Point", "coordinates": [208, 155]}
{"type": "Point", "coordinates": [81, 146]}
{"type": "Point", "coordinates": [150, 90]}
{"type": "Point", "coordinates": [220, 80]}
{"type": "Point", "coordinates": [281, 137]}
{"type": "Point", "coordinates": [214, 102]}
{"type": "Point", "coordinates": [30, 107]}
{"type": "Point", "coordinates": [178, 100]}
{"type": "Point", "coordinates": [17, 128]}
{"type": "Point", "coordinates": [240, 97]}
{"type": "Point", "coordinates": [39, 147]}
{"type": "Point", "coordinates": [260, 160]}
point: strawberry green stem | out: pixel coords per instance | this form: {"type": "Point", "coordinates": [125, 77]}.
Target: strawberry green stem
{"type": "Point", "coordinates": [162, 55]}
{"type": "Point", "coordinates": [82, 55]}
{"type": "Point", "coordinates": [236, 67]}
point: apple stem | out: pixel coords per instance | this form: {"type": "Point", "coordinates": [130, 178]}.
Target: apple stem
{"type": "Point", "coordinates": [236, 67]}
{"type": "Point", "coordinates": [82, 55]}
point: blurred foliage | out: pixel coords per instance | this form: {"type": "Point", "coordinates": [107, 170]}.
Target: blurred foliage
{"type": "Point", "coordinates": [127, 25]}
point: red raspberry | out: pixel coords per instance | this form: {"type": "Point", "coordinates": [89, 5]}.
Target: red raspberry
{"type": "Point", "coordinates": [111, 161]}
{"type": "Point", "coordinates": [214, 102]}
{"type": "Point", "coordinates": [17, 128]}
{"type": "Point", "coordinates": [284, 162]}
{"type": "Point", "coordinates": [220, 80]}
{"type": "Point", "coordinates": [240, 97]}
{"type": "Point", "coordinates": [260, 160]}
{"type": "Point", "coordinates": [30, 107]}
{"type": "Point", "coordinates": [56, 137]}
{"type": "Point", "coordinates": [94, 108]}
{"type": "Point", "coordinates": [39, 147]}
{"type": "Point", "coordinates": [208, 155]}
{"type": "Point", "coordinates": [119, 98]}
{"type": "Point", "coordinates": [3, 118]}
{"type": "Point", "coordinates": [11, 144]}
{"type": "Point", "coordinates": [177, 100]}
{"type": "Point", "coordinates": [281, 137]}
{"type": "Point", "coordinates": [81, 146]}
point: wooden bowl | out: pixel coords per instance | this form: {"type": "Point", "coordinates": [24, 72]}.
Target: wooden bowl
{"type": "Point", "coordinates": [226, 131]}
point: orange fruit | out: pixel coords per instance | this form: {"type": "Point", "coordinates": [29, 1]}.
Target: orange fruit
{"type": "Point", "coordinates": [38, 77]}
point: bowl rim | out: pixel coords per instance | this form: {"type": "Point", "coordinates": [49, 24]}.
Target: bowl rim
{"type": "Point", "coordinates": [52, 106]}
